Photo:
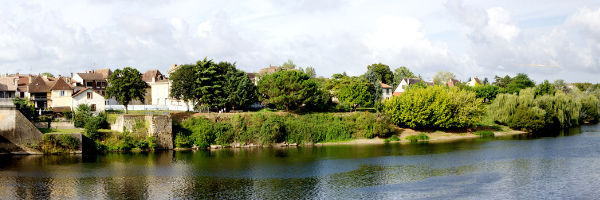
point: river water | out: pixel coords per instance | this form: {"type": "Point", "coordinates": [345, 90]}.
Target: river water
{"type": "Point", "coordinates": [560, 165]}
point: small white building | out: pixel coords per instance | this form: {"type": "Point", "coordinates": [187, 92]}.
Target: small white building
{"type": "Point", "coordinates": [387, 91]}
{"type": "Point", "coordinates": [88, 96]}
{"type": "Point", "coordinates": [404, 83]}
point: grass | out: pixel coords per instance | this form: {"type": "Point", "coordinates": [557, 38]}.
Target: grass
{"type": "Point", "coordinates": [414, 138]}
{"type": "Point", "coordinates": [138, 112]}
{"type": "Point", "coordinates": [393, 138]}
{"type": "Point", "coordinates": [484, 133]}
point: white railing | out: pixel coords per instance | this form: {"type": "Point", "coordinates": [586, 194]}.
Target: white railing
{"type": "Point", "coordinates": [146, 107]}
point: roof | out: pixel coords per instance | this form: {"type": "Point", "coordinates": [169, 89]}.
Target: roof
{"type": "Point", "coordinates": [173, 68]}
{"type": "Point", "coordinates": [477, 79]}
{"type": "Point", "coordinates": [91, 76]}
{"type": "Point", "coordinates": [430, 83]}
{"type": "Point", "coordinates": [452, 82]}
{"type": "Point", "coordinates": [61, 109]}
{"type": "Point", "coordinates": [383, 85]}
{"type": "Point", "coordinates": [61, 84]}
{"type": "Point", "coordinates": [411, 81]}
{"type": "Point", "coordinates": [272, 69]}
{"type": "Point", "coordinates": [7, 84]}
{"type": "Point", "coordinates": [105, 72]}
{"type": "Point", "coordinates": [147, 77]}
{"type": "Point", "coordinates": [251, 76]}
{"type": "Point", "coordinates": [86, 89]}
{"type": "Point", "coordinates": [39, 85]}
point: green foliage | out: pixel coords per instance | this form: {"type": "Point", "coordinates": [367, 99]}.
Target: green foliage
{"type": "Point", "coordinates": [272, 128]}
{"type": "Point", "coordinates": [289, 64]}
{"type": "Point", "coordinates": [183, 85]}
{"type": "Point", "coordinates": [288, 89]}
{"type": "Point", "coordinates": [399, 74]}
{"type": "Point", "coordinates": [501, 81]}
{"type": "Point", "coordinates": [442, 77]}
{"type": "Point", "coordinates": [67, 114]}
{"type": "Point", "coordinates": [484, 133]}
{"type": "Point", "coordinates": [92, 124]}
{"type": "Point", "coordinates": [583, 86]}
{"type": "Point", "coordinates": [25, 108]}
{"type": "Point", "coordinates": [355, 94]}
{"type": "Point", "coordinates": [239, 89]}
{"type": "Point", "coordinates": [414, 138]}
{"type": "Point", "coordinates": [435, 107]}
{"type": "Point", "coordinates": [126, 85]}
{"type": "Point", "coordinates": [67, 141]}
{"type": "Point", "coordinates": [58, 142]}
{"type": "Point", "coordinates": [526, 118]}
{"type": "Point", "coordinates": [48, 74]}
{"type": "Point", "coordinates": [311, 72]}
{"type": "Point", "coordinates": [590, 109]}
{"type": "Point", "coordinates": [82, 113]}
{"type": "Point", "coordinates": [545, 88]}
{"type": "Point", "coordinates": [392, 139]}
{"type": "Point", "coordinates": [519, 82]}
{"type": "Point", "coordinates": [383, 73]}
{"type": "Point", "coordinates": [374, 87]}
{"type": "Point", "coordinates": [561, 85]}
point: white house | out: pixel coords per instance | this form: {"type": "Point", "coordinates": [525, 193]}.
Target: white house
{"type": "Point", "coordinates": [404, 83]}
{"type": "Point", "coordinates": [474, 82]}
{"type": "Point", "coordinates": [90, 97]}
{"type": "Point", "coordinates": [387, 91]}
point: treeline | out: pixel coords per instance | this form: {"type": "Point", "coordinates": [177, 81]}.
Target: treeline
{"type": "Point", "coordinates": [269, 128]}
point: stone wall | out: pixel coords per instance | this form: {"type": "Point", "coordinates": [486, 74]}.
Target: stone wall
{"type": "Point", "coordinates": [17, 133]}
{"type": "Point", "coordinates": [157, 126]}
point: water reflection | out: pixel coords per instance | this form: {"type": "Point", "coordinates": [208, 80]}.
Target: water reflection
{"type": "Point", "coordinates": [558, 164]}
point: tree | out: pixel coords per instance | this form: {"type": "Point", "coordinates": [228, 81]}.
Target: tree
{"type": "Point", "coordinates": [210, 78]}
{"type": "Point", "coordinates": [289, 88]}
{"type": "Point", "coordinates": [288, 65]}
{"type": "Point", "coordinates": [25, 108]}
{"type": "Point", "coordinates": [544, 88]}
{"type": "Point", "coordinates": [384, 74]}
{"type": "Point", "coordinates": [501, 82]}
{"type": "Point", "coordinates": [561, 85]}
{"type": "Point", "coordinates": [485, 81]}
{"type": "Point", "coordinates": [400, 73]}
{"type": "Point", "coordinates": [356, 93]}
{"type": "Point", "coordinates": [183, 85]}
{"type": "Point", "coordinates": [519, 82]}
{"type": "Point", "coordinates": [238, 87]}
{"type": "Point", "coordinates": [442, 77]}
{"type": "Point", "coordinates": [311, 72]}
{"type": "Point", "coordinates": [48, 74]}
{"type": "Point", "coordinates": [375, 87]}
{"type": "Point", "coordinates": [126, 85]}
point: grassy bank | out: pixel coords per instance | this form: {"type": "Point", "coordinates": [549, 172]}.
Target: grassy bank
{"type": "Point", "coordinates": [270, 128]}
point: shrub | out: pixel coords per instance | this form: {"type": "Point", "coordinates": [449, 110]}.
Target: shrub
{"type": "Point", "coordinates": [527, 118]}
{"type": "Point", "coordinates": [67, 141]}
{"type": "Point", "coordinates": [435, 107]}
{"type": "Point", "coordinates": [92, 125]}
{"type": "Point", "coordinates": [182, 141]}
{"type": "Point", "coordinates": [484, 133]}
{"type": "Point", "coordinates": [271, 131]}
{"type": "Point", "coordinates": [393, 138]}
{"type": "Point", "coordinates": [414, 138]}
{"type": "Point", "coordinates": [82, 113]}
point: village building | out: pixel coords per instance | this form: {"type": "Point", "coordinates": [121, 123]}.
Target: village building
{"type": "Point", "coordinates": [90, 97]}
{"type": "Point", "coordinates": [8, 87]}
{"type": "Point", "coordinates": [387, 91]}
{"type": "Point", "coordinates": [403, 85]}
{"type": "Point", "coordinates": [474, 82]}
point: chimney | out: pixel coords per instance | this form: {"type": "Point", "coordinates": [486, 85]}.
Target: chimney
{"type": "Point", "coordinates": [17, 74]}
{"type": "Point", "coordinates": [71, 74]}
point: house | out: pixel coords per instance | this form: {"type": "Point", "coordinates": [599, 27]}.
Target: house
{"type": "Point", "coordinates": [39, 92]}
{"type": "Point", "coordinates": [23, 82]}
{"type": "Point", "coordinates": [61, 95]}
{"type": "Point", "coordinates": [474, 82]}
{"type": "Point", "coordinates": [95, 81]}
{"type": "Point", "coordinates": [404, 83]}
{"type": "Point", "coordinates": [453, 82]}
{"type": "Point", "coordinates": [387, 91]}
{"type": "Point", "coordinates": [157, 92]}
{"type": "Point", "coordinates": [8, 87]}
{"type": "Point", "coordinates": [90, 97]}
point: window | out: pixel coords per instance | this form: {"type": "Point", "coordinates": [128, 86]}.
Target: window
{"type": "Point", "coordinates": [62, 93]}
{"type": "Point", "coordinates": [93, 107]}
{"type": "Point", "coordinates": [165, 101]}
{"type": "Point", "coordinates": [157, 101]}
{"type": "Point", "coordinates": [89, 95]}
{"type": "Point", "coordinates": [89, 84]}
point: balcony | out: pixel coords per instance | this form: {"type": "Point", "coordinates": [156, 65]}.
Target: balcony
{"type": "Point", "coordinates": [39, 99]}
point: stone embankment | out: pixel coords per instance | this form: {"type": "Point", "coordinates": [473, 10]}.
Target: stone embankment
{"type": "Point", "coordinates": [158, 126]}
{"type": "Point", "coordinates": [17, 134]}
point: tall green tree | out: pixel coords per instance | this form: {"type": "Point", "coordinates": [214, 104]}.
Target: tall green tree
{"type": "Point", "coordinates": [485, 81]}
{"type": "Point", "coordinates": [561, 85]}
{"type": "Point", "coordinates": [238, 87]}
{"type": "Point", "coordinates": [126, 85]}
{"type": "Point", "coordinates": [375, 87]}
{"type": "Point", "coordinates": [289, 89]}
{"type": "Point", "coordinates": [311, 72]}
{"type": "Point", "coordinates": [289, 64]}
{"type": "Point", "coordinates": [384, 74]}
{"type": "Point", "coordinates": [356, 93]}
{"type": "Point", "coordinates": [183, 83]}
{"type": "Point", "coordinates": [544, 88]}
{"type": "Point", "coordinates": [400, 73]}
{"type": "Point", "coordinates": [519, 82]}
{"type": "Point", "coordinates": [210, 79]}
{"type": "Point", "coordinates": [442, 77]}
{"type": "Point", "coordinates": [501, 81]}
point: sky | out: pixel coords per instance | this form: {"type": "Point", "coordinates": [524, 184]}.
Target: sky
{"type": "Point", "coordinates": [468, 38]}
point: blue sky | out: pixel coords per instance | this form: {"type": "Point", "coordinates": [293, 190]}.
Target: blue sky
{"type": "Point", "coordinates": [468, 38]}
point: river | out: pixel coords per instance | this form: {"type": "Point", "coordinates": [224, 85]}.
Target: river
{"type": "Point", "coordinates": [559, 165]}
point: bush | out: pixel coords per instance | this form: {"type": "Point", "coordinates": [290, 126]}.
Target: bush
{"type": "Point", "coordinates": [25, 108]}
{"type": "Point", "coordinates": [414, 138]}
{"type": "Point", "coordinates": [437, 106]}
{"type": "Point", "coordinates": [182, 141]}
{"type": "Point", "coordinates": [527, 118]}
{"type": "Point", "coordinates": [67, 141]}
{"type": "Point", "coordinates": [484, 133]}
{"type": "Point", "coordinates": [393, 138]}
{"type": "Point", "coordinates": [92, 124]}
{"type": "Point", "coordinates": [82, 113]}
